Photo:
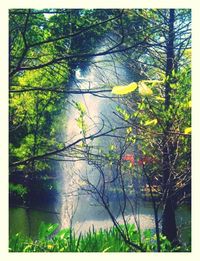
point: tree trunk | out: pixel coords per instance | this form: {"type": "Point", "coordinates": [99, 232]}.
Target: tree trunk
{"type": "Point", "coordinates": [168, 223]}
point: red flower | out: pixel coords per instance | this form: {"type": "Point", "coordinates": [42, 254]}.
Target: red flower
{"type": "Point", "coordinates": [142, 161]}
{"type": "Point", "coordinates": [129, 157]}
{"type": "Point", "coordinates": [146, 160]}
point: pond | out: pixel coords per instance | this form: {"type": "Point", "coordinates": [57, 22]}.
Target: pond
{"type": "Point", "coordinates": [27, 220]}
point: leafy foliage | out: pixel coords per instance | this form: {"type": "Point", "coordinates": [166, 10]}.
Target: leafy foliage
{"type": "Point", "coordinates": [93, 241]}
{"type": "Point", "coordinates": [18, 190]}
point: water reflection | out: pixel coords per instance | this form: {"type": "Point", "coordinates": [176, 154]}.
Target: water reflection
{"type": "Point", "coordinates": [27, 221]}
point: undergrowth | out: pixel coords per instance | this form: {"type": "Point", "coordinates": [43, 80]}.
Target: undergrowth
{"type": "Point", "coordinates": [50, 239]}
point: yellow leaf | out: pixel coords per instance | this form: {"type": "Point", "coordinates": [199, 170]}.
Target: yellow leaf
{"type": "Point", "coordinates": [188, 130]}
{"type": "Point", "coordinates": [152, 122]}
{"type": "Point", "coordinates": [188, 53]}
{"type": "Point", "coordinates": [190, 104]}
{"type": "Point", "coordinates": [144, 89]}
{"type": "Point", "coordinates": [124, 89]}
{"type": "Point", "coordinates": [158, 98]}
{"type": "Point", "coordinates": [112, 147]}
{"type": "Point", "coordinates": [129, 130]}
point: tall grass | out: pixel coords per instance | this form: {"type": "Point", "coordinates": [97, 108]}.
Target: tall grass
{"type": "Point", "coordinates": [51, 240]}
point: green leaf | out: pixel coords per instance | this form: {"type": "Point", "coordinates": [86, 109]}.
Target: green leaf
{"type": "Point", "coordinates": [151, 122]}
{"type": "Point", "coordinates": [106, 249]}
{"type": "Point", "coordinates": [42, 231]}
{"type": "Point", "coordinates": [52, 228]}
{"type": "Point", "coordinates": [112, 147]}
{"type": "Point", "coordinates": [147, 234]}
{"type": "Point", "coordinates": [62, 233]}
{"type": "Point", "coordinates": [80, 106]}
{"type": "Point", "coordinates": [46, 230]}
{"type": "Point", "coordinates": [121, 90]}
{"type": "Point", "coordinates": [27, 248]}
{"type": "Point", "coordinates": [173, 85]}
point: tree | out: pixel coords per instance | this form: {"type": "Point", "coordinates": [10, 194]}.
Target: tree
{"type": "Point", "coordinates": [169, 117]}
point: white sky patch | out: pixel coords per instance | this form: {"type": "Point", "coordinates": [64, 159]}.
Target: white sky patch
{"type": "Point", "coordinates": [47, 15]}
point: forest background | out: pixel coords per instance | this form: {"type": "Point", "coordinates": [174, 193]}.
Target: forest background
{"type": "Point", "coordinates": [4, 114]}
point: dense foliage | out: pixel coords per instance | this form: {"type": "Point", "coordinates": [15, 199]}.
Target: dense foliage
{"type": "Point", "coordinates": [93, 241]}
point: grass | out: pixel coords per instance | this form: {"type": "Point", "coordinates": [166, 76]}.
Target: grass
{"type": "Point", "coordinates": [51, 240]}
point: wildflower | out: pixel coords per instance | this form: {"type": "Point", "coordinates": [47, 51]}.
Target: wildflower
{"type": "Point", "coordinates": [49, 246]}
